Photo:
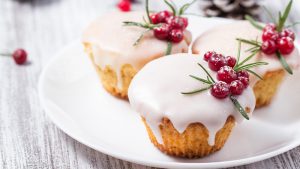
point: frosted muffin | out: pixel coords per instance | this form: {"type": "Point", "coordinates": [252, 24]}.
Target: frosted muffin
{"type": "Point", "coordinates": [110, 46]}
{"type": "Point", "coordinates": [190, 126]}
{"type": "Point", "coordinates": [222, 39]}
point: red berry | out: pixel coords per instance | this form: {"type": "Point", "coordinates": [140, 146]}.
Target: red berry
{"type": "Point", "coordinates": [244, 80]}
{"type": "Point", "coordinates": [154, 18]}
{"type": "Point", "coordinates": [20, 56]}
{"type": "Point", "coordinates": [220, 90]}
{"type": "Point", "coordinates": [164, 16]}
{"type": "Point", "coordinates": [176, 22]}
{"type": "Point", "coordinates": [270, 35]}
{"type": "Point", "coordinates": [162, 32]}
{"type": "Point", "coordinates": [216, 62]}
{"type": "Point", "coordinates": [208, 55]}
{"type": "Point", "coordinates": [287, 33]}
{"type": "Point", "coordinates": [231, 61]}
{"type": "Point", "coordinates": [269, 47]}
{"type": "Point", "coordinates": [285, 45]}
{"type": "Point", "coordinates": [226, 74]}
{"type": "Point", "coordinates": [236, 87]}
{"type": "Point", "coordinates": [185, 21]}
{"type": "Point", "coordinates": [270, 26]}
{"type": "Point", "coordinates": [124, 5]}
{"type": "Point", "coordinates": [242, 73]}
{"type": "Point", "coordinates": [176, 35]}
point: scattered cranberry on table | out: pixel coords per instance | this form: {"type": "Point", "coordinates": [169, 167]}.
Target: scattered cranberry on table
{"type": "Point", "coordinates": [19, 56]}
{"type": "Point", "coordinates": [124, 5]}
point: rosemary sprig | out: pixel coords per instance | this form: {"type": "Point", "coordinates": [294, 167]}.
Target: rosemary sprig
{"type": "Point", "coordinates": [140, 37]}
{"type": "Point", "coordinates": [185, 7]}
{"type": "Point", "coordinates": [202, 80]}
{"type": "Point", "coordinates": [208, 75]}
{"type": "Point", "coordinates": [143, 25]}
{"type": "Point", "coordinates": [255, 74]}
{"type": "Point", "coordinates": [169, 48]}
{"type": "Point", "coordinates": [197, 91]}
{"type": "Point", "coordinates": [147, 11]}
{"type": "Point", "coordinates": [251, 42]}
{"type": "Point", "coordinates": [282, 18]}
{"type": "Point", "coordinates": [173, 9]}
{"type": "Point", "coordinates": [239, 107]}
{"type": "Point", "coordinates": [254, 23]}
{"type": "Point", "coordinates": [284, 63]}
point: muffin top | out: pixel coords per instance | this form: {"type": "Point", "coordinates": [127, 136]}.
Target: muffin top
{"type": "Point", "coordinates": [222, 39]}
{"type": "Point", "coordinates": [156, 92]}
{"type": "Point", "coordinates": [113, 43]}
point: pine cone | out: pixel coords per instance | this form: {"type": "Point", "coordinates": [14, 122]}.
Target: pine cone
{"type": "Point", "coordinates": [236, 9]}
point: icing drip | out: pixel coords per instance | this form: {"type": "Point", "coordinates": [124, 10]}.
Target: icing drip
{"type": "Point", "coordinates": [155, 93]}
{"type": "Point", "coordinates": [112, 42]}
{"type": "Point", "coordinates": [223, 40]}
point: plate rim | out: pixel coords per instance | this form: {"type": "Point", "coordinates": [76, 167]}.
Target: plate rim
{"type": "Point", "coordinates": [141, 161]}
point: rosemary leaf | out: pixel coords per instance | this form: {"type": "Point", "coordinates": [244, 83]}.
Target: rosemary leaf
{"type": "Point", "coordinates": [254, 23]}
{"type": "Point", "coordinates": [248, 58]}
{"type": "Point", "coordinates": [197, 91]}
{"type": "Point", "coordinates": [171, 7]}
{"type": "Point", "coordinates": [169, 48]}
{"type": "Point", "coordinates": [238, 55]}
{"type": "Point", "coordinates": [239, 107]}
{"type": "Point", "coordinates": [251, 49]}
{"type": "Point", "coordinates": [251, 42]}
{"type": "Point", "coordinates": [129, 23]}
{"type": "Point", "coordinates": [207, 73]}
{"type": "Point", "coordinates": [185, 7]}
{"type": "Point", "coordinates": [200, 79]}
{"type": "Point", "coordinates": [251, 65]}
{"type": "Point", "coordinates": [147, 11]}
{"type": "Point", "coordinates": [284, 63]}
{"type": "Point", "coordinates": [255, 74]}
{"type": "Point", "coordinates": [284, 16]}
{"type": "Point", "coordinates": [140, 37]}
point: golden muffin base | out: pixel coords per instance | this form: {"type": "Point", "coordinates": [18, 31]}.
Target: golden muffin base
{"type": "Point", "coordinates": [265, 89]}
{"type": "Point", "coordinates": [109, 77]}
{"type": "Point", "coordinates": [192, 143]}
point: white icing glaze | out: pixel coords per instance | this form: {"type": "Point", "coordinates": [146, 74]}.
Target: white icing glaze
{"type": "Point", "coordinates": [222, 39]}
{"type": "Point", "coordinates": [155, 92]}
{"type": "Point", "coordinates": [112, 42]}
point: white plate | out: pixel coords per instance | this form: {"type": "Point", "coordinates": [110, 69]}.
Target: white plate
{"type": "Point", "coordinates": [74, 99]}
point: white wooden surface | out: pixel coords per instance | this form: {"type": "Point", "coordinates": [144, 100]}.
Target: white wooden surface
{"type": "Point", "coordinates": [28, 139]}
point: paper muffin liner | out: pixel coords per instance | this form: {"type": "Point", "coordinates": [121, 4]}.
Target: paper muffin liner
{"type": "Point", "coordinates": [193, 142]}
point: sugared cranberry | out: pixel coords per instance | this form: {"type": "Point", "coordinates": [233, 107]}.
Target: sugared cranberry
{"type": "Point", "coordinates": [185, 21]}
{"type": "Point", "coordinates": [270, 35]}
{"type": "Point", "coordinates": [208, 55]}
{"type": "Point", "coordinates": [243, 73]}
{"type": "Point", "coordinates": [287, 33]}
{"type": "Point", "coordinates": [226, 74]}
{"type": "Point", "coordinates": [231, 61]}
{"type": "Point", "coordinates": [163, 16]}
{"type": "Point", "coordinates": [285, 45]}
{"type": "Point", "coordinates": [270, 26]}
{"type": "Point", "coordinates": [124, 5]}
{"type": "Point", "coordinates": [162, 32]}
{"type": "Point", "coordinates": [244, 80]}
{"type": "Point", "coordinates": [154, 19]}
{"type": "Point", "coordinates": [20, 56]}
{"type": "Point", "coordinates": [220, 90]}
{"type": "Point", "coordinates": [216, 62]}
{"type": "Point", "coordinates": [269, 47]}
{"type": "Point", "coordinates": [176, 35]}
{"type": "Point", "coordinates": [236, 87]}
{"type": "Point", "coordinates": [176, 22]}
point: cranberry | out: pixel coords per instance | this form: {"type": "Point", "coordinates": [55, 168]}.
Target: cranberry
{"type": "Point", "coordinates": [220, 90]}
{"type": "Point", "coordinates": [269, 47]}
{"type": "Point", "coordinates": [176, 22]}
{"type": "Point", "coordinates": [185, 21]}
{"type": "Point", "coordinates": [270, 35]}
{"type": "Point", "coordinates": [285, 45]}
{"type": "Point", "coordinates": [124, 5]}
{"type": "Point", "coordinates": [226, 74]}
{"type": "Point", "coordinates": [243, 73]}
{"type": "Point", "coordinates": [162, 32]}
{"type": "Point", "coordinates": [163, 16]}
{"type": "Point", "coordinates": [236, 87]}
{"type": "Point", "coordinates": [216, 62]}
{"type": "Point", "coordinates": [287, 33]}
{"type": "Point", "coordinates": [176, 35]}
{"type": "Point", "coordinates": [208, 55]}
{"type": "Point", "coordinates": [270, 26]}
{"type": "Point", "coordinates": [244, 80]}
{"type": "Point", "coordinates": [231, 61]}
{"type": "Point", "coordinates": [20, 56]}
{"type": "Point", "coordinates": [154, 19]}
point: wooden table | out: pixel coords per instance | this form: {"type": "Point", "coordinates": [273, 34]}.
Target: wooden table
{"type": "Point", "coordinates": [28, 139]}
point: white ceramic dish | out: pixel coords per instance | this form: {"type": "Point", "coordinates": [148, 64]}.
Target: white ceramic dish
{"type": "Point", "coordinates": [74, 99]}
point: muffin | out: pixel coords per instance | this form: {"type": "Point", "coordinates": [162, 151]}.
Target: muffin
{"type": "Point", "coordinates": [110, 45]}
{"type": "Point", "coordinates": [222, 39]}
{"type": "Point", "coordinates": [178, 124]}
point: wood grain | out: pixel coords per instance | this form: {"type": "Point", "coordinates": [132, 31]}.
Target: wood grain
{"type": "Point", "coordinates": [28, 139]}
